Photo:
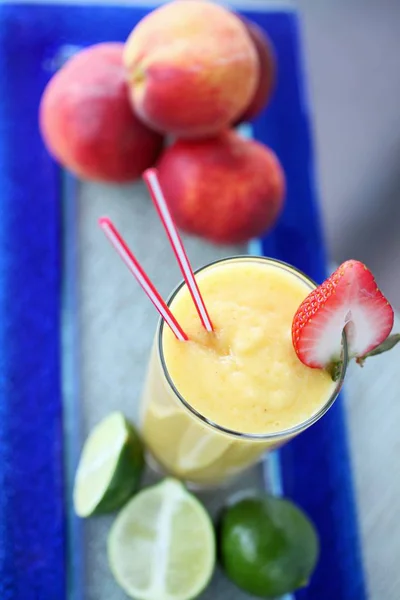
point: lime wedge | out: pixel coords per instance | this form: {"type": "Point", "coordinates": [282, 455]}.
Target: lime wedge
{"type": "Point", "coordinates": [110, 467]}
{"type": "Point", "coordinates": [199, 449]}
{"type": "Point", "coordinates": [162, 544]}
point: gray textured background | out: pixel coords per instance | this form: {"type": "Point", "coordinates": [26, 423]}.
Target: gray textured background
{"type": "Point", "coordinates": [352, 51]}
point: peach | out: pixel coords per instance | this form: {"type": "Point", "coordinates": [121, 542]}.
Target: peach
{"type": "Point", "coordinates": [267, 75]}
{"type": "Point", "coordinates": [193, 68]}
{"type": "Point", "coordinates": [87, 121]}
{"type": "Point", "coordinates": [225, 189]}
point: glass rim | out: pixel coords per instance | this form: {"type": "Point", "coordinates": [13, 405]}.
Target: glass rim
{"type": "Point", "coordinates": [276, 435]}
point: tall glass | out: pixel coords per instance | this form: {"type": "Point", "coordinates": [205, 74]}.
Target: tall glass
{"type": "Point", "coordinates": [190, 446]}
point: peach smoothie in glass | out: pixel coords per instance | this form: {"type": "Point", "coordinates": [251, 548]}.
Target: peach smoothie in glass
{"type": "Point", "coordinates": [213, 405]}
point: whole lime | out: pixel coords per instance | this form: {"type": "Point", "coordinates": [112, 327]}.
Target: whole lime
{"type": "Point", "coordinates": [268, 546]}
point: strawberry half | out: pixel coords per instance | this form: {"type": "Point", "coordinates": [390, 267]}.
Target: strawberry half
{"type": "Point", "coordinates": [348, 300]}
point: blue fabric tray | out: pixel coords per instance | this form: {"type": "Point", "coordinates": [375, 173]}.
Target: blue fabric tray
{"type": "Point", "coordinates": [33, 527]}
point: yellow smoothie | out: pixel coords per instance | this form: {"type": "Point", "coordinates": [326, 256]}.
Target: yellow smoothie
{"type": "Point", "coordinates": [245, 378]}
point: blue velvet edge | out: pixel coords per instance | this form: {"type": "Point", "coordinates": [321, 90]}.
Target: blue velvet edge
{"type": "Point", "coordinates": [32, 511]}
{"type": "Point", "coordinates": [33, 518]}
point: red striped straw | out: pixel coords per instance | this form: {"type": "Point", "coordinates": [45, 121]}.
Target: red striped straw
{"type": "Point", "coordinates": [131, 262]}
{"type": "Point", "coordinates": [150, 176]}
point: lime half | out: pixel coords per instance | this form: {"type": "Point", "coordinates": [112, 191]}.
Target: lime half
{"type": "Point", "coordinates": [110, 467]}
{"type": "Point", "coordinates": [162, 544]}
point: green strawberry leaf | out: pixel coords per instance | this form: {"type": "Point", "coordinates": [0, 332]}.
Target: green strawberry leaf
{"type": "Point", "coordinates": [388, 344]}
{"type": "Point", "coordinates": [334, 369]}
